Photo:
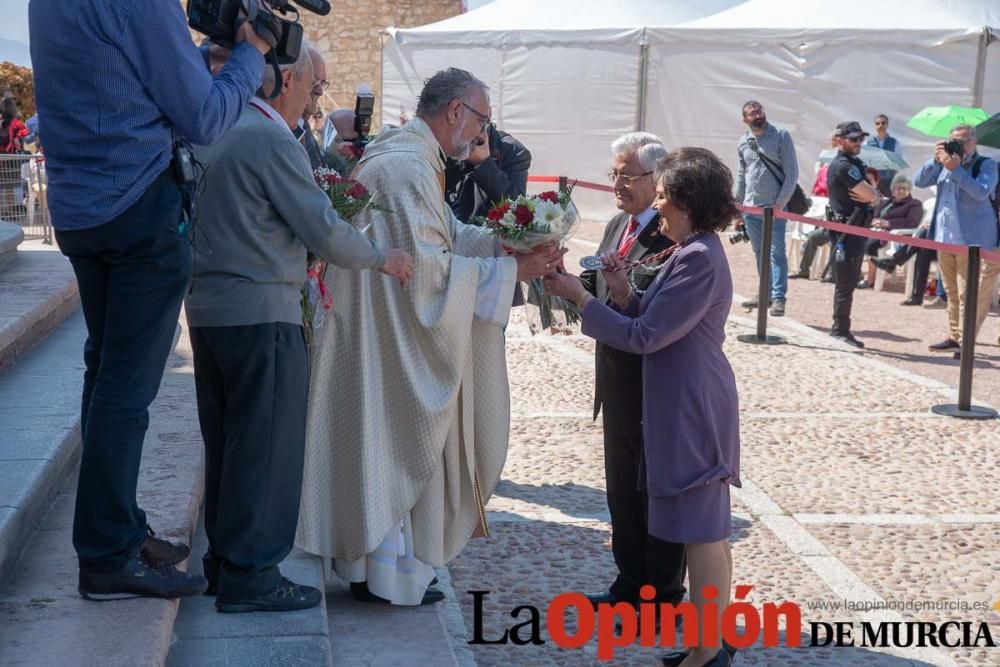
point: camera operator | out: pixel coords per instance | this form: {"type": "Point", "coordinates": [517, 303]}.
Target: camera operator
{"type": "Point", "coordinates": [496, 168]}
{"type": "Point", "coordinates": [260, 211]}
{"type": "Point", "coordinates": [851, 201]}
{"type": "Point", "coordinates": [115, 82]}
{"type": "Point", "coordinates": [966, 182]}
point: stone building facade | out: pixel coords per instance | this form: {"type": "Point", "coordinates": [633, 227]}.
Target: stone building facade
{"type": "Point", "coordinates": [350, 39]}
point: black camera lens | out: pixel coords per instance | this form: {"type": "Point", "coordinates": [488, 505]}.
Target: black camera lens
{"type": "Point", "coordinates": [954, 147]}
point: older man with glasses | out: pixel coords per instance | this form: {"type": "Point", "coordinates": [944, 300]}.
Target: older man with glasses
{"type": "Point", "coordinates": [640, 558]}
{"type": "Point", "coordinates": [319, 85]}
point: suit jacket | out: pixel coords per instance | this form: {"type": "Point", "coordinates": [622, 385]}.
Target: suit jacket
{"type": "Point", "coordinates": [470, 191]}
{"type": "Point", "coordinates": [618, 374]}
{"type": "Point", "coordinates": [308, 141]}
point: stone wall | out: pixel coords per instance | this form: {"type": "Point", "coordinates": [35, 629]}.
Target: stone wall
{"type": "Point", "coordinates": [349, 38]}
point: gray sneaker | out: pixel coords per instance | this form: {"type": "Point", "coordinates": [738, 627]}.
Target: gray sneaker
{"type": "Point", "coordinates": [778, 308]}
{"type": "Point", "coordinates": [750, 304]}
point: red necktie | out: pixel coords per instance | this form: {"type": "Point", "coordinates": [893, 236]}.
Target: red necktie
{"type": "Point", "coordinates": [628, 239]}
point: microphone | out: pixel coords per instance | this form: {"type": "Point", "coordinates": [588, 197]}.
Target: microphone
{"type": "Point", "coordinates": [321, 7]}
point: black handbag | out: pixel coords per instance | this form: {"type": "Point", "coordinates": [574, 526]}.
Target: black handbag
{"type": "Point", "coordinates": [799, 203]}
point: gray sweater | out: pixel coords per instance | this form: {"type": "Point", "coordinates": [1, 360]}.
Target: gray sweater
{"type": "Point", "coordinates": [260, 210]}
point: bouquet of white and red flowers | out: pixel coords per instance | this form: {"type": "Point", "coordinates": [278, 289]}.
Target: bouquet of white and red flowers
{"type": "Point", "coordinates": [523, 224]}
{"type": "Point", "coordinates": [348, 198]}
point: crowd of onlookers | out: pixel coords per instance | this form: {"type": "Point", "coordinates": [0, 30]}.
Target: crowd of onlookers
{"type": "Point", "coordinates": [962, 211]}
{"type": "Point", "coordinates": [21, 179]}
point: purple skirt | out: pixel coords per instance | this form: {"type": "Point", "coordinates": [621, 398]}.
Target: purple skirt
{"type": "Point", "coordinates": [696, 516]}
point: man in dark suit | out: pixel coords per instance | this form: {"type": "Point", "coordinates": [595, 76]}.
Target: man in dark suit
{"type": "Point", "coordinates": [496, 169]}
{"type": "Point", "coordinates": [302, 131]}
{"type": "Point", "coordinates": [641, 558]}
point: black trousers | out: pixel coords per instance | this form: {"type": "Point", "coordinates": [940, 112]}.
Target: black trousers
{"type": "Point", "coordinates": [252, 383]}
{"type": "Point", "coordinates": [132, 272]}
{"type": "Point", "coordinates": [640, 557]}
{"type": "Point", "coordinates": [846, 275]}
{"type": "Point", "coordinates": [921, 265]}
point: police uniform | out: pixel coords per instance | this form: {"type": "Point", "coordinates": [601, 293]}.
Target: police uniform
{"type": "Point", "coordinates": [844, 173]}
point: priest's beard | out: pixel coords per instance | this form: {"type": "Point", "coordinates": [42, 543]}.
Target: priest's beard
{"type": "Point", "coordinates": [462, 151]}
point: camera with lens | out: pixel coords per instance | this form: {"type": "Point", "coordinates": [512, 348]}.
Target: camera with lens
{"type": "Point", "coordinates": [364, 108]}
{"type": "Point", "coordinates": [739, 236]}
{"type": "Point", "coordinates": [954, 147]}
{"type": "Point", "coordinates": [276, 22]}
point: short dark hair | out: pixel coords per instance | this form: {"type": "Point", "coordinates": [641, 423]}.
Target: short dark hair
{"type": "Point", "coordinates": [445, 86]}
{"type": "Point", "coordinates": [9, 109]}
{"type": "Point", "coordinates": [751, 103]}
{"type": "Point", "coordinates": [882, 115]}
{"type": "Point", "coordinates": [701, 185]}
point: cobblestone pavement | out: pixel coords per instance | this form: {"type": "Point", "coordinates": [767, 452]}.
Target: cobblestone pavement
{"type": "Point", "coordinates": [852, 491]}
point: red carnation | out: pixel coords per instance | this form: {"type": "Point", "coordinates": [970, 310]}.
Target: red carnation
{"type": "Point", "coordinates": [333, 177]}
{"type": "Point", "coordinates": [358, 191]}
{"type": "Point", "coordinates": [523, 215]}
{"type": "Point", "coordinates": [550, 195]}
{"type": "Point", "coordinates": [498, 212]}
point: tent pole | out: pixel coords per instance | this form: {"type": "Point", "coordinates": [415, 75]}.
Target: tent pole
{"type": "Point", "coordinates": [640, 112]}
{"type": "Point", "coordinates": [980, 80]}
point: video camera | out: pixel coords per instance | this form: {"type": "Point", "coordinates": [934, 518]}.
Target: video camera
{"type": "Point", "coordinates": [220, 20]}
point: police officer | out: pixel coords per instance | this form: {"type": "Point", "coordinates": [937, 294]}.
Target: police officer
{"type": "Point", "coordinates": [851, 201]}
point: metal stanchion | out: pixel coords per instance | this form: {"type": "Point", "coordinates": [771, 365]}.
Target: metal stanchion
{"type": "Point", "coordinates": [763, 286]}
{"type": "Point", "coordinates": [563, 184]}
{"type": "Point", "coordinates": [964, 409]}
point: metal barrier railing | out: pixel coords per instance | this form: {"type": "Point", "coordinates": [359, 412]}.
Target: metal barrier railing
{"type": "Point", "coordinates": [24, 195]}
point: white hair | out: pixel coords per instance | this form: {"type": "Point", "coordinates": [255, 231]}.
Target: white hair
{"type": "Point", "coordinates": [647, 147]}
{"type": "Point", "coordinates": [298, 68]}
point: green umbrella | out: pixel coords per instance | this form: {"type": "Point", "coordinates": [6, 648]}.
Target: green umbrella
{"type": "Point", "coordinates": [938, 121]}
{"type": "Point", "coordinates": [988, 134]}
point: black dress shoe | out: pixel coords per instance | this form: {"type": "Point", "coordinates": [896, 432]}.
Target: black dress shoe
{"type": "Point", "coordinates": [361, 593]}
{"type": "Point", "coordinates": [288, 596]}
{"type": "Point", "coordinates": [910, 301]}
{"type": "Point", "coordinates": [827, 279]}
{"type": "Point", "coordinates": [886, 264]}
{"type": "Point", "coordinates": [157, 550]}
{"type": "Point", "coordinates": [848, 338]}
{"type": "Point", "coordinates": [946, 344]}
{"type": "Point", "coordinates": [799, 275]}
{"type": "Point", "coordinates": [139, 579]}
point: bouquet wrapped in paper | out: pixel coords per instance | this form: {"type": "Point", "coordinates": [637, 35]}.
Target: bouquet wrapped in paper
{"type": "Point", "coordinates": [523, 224]}
{"type": "Point", "coordinates": [348, 198]}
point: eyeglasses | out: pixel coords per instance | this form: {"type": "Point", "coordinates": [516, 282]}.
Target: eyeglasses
{"type": "Point", "coordinates": [627, 179]}
{"type": "Point", "coordinates": [322, 85]}
{"type": "Point", "coordinates": [482, 117]}
{"type": "Point", "coordinates": [854, 140]}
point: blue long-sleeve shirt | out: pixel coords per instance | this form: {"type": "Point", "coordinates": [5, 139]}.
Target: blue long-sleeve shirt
{"type": "Point", "coordinates": [964, 213]}
{"type": "Point", "coordinates": [114, 81]}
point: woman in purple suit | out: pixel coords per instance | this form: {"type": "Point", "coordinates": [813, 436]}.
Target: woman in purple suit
{"type": "Point", "coordinates": [690, 413]}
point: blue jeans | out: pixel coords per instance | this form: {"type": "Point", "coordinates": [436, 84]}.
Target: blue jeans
{"type": "Point", "coordinates": [779, 261]}
{"type": "Point", "coordinates": [133, 273]}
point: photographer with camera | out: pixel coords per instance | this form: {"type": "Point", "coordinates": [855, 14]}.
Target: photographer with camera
{"type": "Point", "coordinates": [261, 210]}
{"type": "Point", "coordinates": [115, 84]}
{"type": "Point", "coordinates": [965, 215]}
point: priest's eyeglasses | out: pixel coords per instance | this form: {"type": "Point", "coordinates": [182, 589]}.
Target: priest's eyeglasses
{"type": "Point", "coordinates": [481, 116]}
{"type": "Point", "coordinates": [627, 179]}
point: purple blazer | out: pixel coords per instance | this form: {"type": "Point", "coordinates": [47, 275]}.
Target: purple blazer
{"type": "Point", "coordinates": [691, 430]}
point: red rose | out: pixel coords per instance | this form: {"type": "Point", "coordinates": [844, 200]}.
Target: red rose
{"type": "Point", "coordinates": [358, 191]}
{"type": "Point", "coordinates": [333, 178]}
{"type": "Point", "coordinates": [550, 195]}
{"type": "Point", "coordinates": [523, 215]}
{"type": "Point", "coordinates": [498, 212]}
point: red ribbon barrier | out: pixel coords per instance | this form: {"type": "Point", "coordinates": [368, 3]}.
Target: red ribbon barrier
{"type": "Point", "coordinates": [989, 255]}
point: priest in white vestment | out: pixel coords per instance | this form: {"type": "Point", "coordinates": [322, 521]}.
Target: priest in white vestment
{"type": "Point", "coordinates": [409, 408]}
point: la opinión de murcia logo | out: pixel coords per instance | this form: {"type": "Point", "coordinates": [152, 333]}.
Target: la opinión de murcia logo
{"type": "Point", "coordinates": [742, 624]}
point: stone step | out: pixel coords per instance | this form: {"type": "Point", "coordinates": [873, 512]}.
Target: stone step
{"type": "Point", "coordinates": [11, 236]}
{"type": "Point", "coordinates": [43, 620]}
{"type": "Point", "coordinates": [37, 292]}
{"type": "Point", "coordinates": [39, 434]}
{"type": "Point", "coordinates": [203, 637]}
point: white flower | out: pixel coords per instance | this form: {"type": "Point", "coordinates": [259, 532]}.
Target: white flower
{"type": "Point", "coordinates": [547, 213]}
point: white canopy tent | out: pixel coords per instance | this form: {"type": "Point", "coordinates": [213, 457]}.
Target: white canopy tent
{"type": "Point", "coordinates": [814, 64]}
{"type": "Point", "coordinates": [567, 78]}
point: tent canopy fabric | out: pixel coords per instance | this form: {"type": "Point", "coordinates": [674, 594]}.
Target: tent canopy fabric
{"type": "Point", "coordinates": [567, 92]}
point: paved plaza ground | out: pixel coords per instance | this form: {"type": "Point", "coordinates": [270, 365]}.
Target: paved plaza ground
{"type": "Point", "coordinates": [852, 489]}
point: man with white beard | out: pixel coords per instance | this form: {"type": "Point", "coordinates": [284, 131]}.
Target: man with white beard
{"type": "Point", "coordinates": [409, 409]}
